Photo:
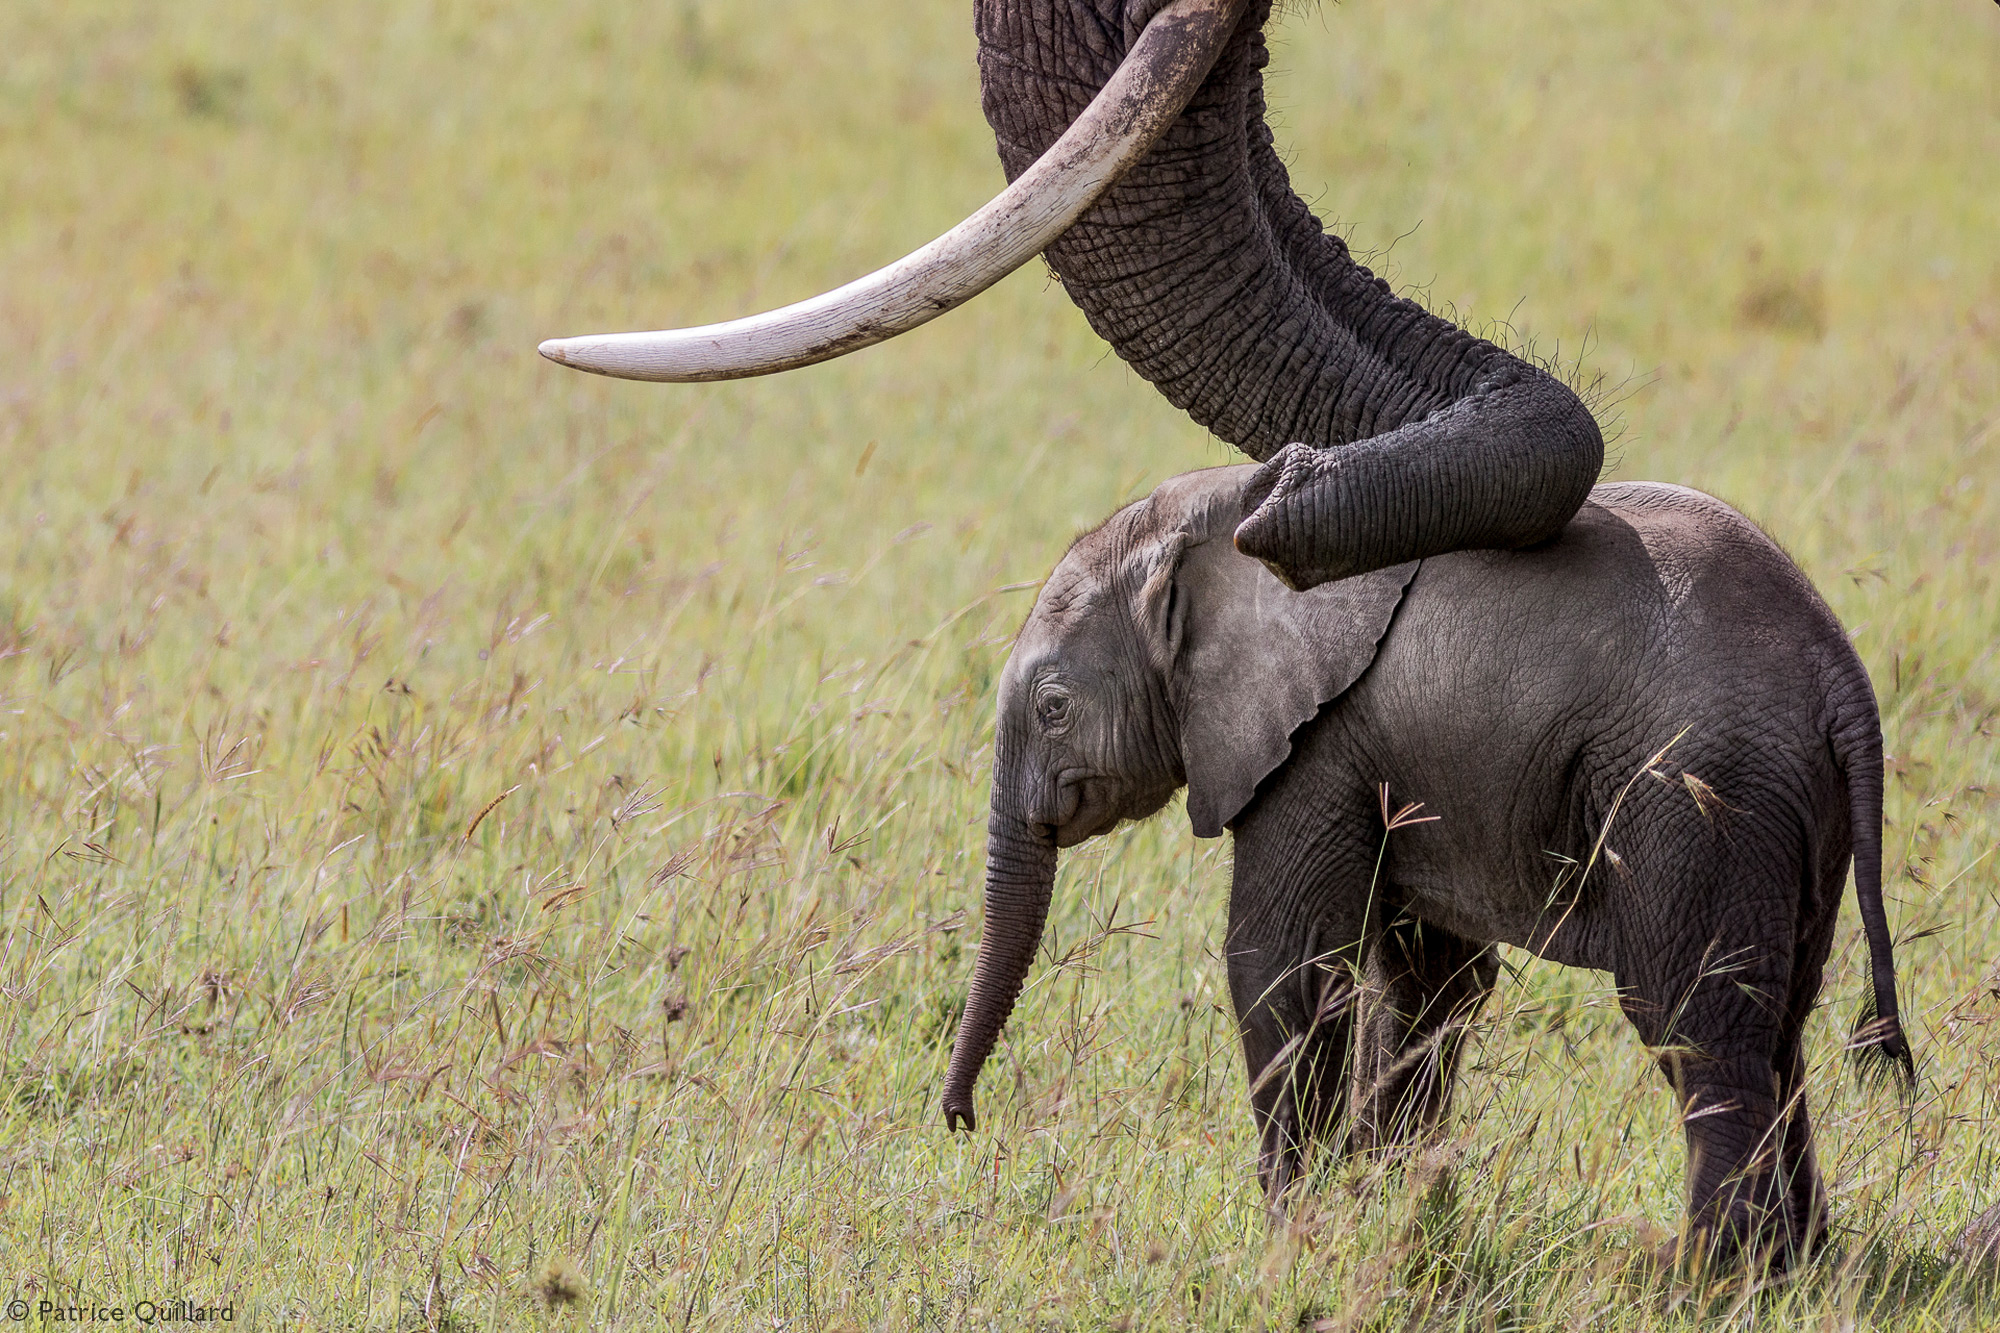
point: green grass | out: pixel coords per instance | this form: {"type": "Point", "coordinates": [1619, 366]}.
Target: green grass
{"type": "Point", "coordinates": [311, 561]}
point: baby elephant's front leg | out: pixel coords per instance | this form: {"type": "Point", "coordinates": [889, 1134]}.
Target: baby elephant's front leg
{"type": "Point", "coordinates": [1295, 929]}
{"type": "Point", "coordinates": [1423, 986]}
{"type": "Point", "coordinates": [1295, 1010]}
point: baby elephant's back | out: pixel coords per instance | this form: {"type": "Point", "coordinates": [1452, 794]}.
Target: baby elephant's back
{"type": "Point", "coordinates": [1660, 619]}
{"type": "Point", "coordinates": [1723, 602]}
{"type": "Point", "coordinates": [1653, 593]}
{"type": "Point", "coordinates": [1662, 659]}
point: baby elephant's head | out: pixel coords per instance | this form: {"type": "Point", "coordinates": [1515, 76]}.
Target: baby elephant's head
{"type": "Point", "coordinates": [1156, 656]}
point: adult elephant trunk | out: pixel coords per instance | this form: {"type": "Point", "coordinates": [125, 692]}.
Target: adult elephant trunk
{"type": "Point", "coordinates": [1020, 877]}
{"type": "Point", "coordinates": [1215, 281]}
{"type": "Point", "coordinates": [1134, 138]}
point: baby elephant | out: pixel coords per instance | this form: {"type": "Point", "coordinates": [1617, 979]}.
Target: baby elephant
{"type": "Point", "coordinates": [1645, 747]}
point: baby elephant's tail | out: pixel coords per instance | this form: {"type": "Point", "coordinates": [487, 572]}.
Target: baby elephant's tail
{"type": "Point", "coordinates": [1878, 1044]}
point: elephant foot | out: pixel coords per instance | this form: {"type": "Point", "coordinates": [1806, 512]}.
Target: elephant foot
{"type": "Point", "coordinates": [1279, 1174]}
{"type": "Point", "coordinates": [1703, 1255]}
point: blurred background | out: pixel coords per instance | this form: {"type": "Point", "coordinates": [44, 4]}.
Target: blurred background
{"type": "Point", "coordinates": [481, 842]}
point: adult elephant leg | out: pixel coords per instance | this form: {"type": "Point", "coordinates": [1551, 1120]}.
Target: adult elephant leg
{"type": "Point", "coordinates": [1422, 986]}
{"type": "Point", "coordinates": [1293, 936]}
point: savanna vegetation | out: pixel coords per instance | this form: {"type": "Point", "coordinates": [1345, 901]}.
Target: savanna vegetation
{"type": "Point", "coordinates": [487, 848]}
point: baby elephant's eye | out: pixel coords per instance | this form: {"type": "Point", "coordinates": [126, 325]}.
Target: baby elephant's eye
{"type": "Point", "coordinates": [1052, 709]}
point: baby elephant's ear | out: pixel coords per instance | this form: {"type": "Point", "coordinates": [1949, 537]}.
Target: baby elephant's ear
{"type": "Point", "coordinates": [1254, 660]}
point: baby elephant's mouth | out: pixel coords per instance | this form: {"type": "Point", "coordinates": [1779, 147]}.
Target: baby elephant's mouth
{"type": "Point", "coordinates": [1086, 804]}
{"type": "Point", "coordinates": [1104, 803]}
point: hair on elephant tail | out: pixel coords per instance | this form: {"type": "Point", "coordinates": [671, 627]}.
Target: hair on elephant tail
{"type": "Point", "coordinates": [1878, 1045]}
{"type": "Point", "coordinates": [1881, 1052]}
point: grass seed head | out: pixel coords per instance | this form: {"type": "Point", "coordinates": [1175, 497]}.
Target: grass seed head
{"type": "Point", "coordinates": [559, 1284]}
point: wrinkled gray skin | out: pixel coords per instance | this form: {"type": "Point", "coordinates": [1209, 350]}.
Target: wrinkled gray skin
{"type": "Point", "coordinates": [1388, 434]}
{"type": "Point", "coordinates": [1661, 657]}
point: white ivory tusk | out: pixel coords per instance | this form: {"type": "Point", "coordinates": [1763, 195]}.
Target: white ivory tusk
{"type": "Point", "coordinates": [1143, 97]}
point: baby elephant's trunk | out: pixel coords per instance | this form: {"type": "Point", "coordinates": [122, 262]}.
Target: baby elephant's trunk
{"type": "Point", "coordinates": [1020, 876]}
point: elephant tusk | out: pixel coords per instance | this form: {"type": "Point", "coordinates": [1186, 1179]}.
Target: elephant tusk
{"type": "Point", "coordinates": [1142, 98]}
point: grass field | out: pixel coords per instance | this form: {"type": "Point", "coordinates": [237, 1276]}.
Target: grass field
{"type": "Point", "coordinates": [487, 848]}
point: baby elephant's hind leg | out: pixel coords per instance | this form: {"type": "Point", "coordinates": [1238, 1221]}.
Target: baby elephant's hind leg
{"type": "Point", "coordinates": [1423, 986]}
{"type": "Point", "coordinates": [1802, 1223]}
{"type": "Point", "coordinates": [1718, 1021]}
